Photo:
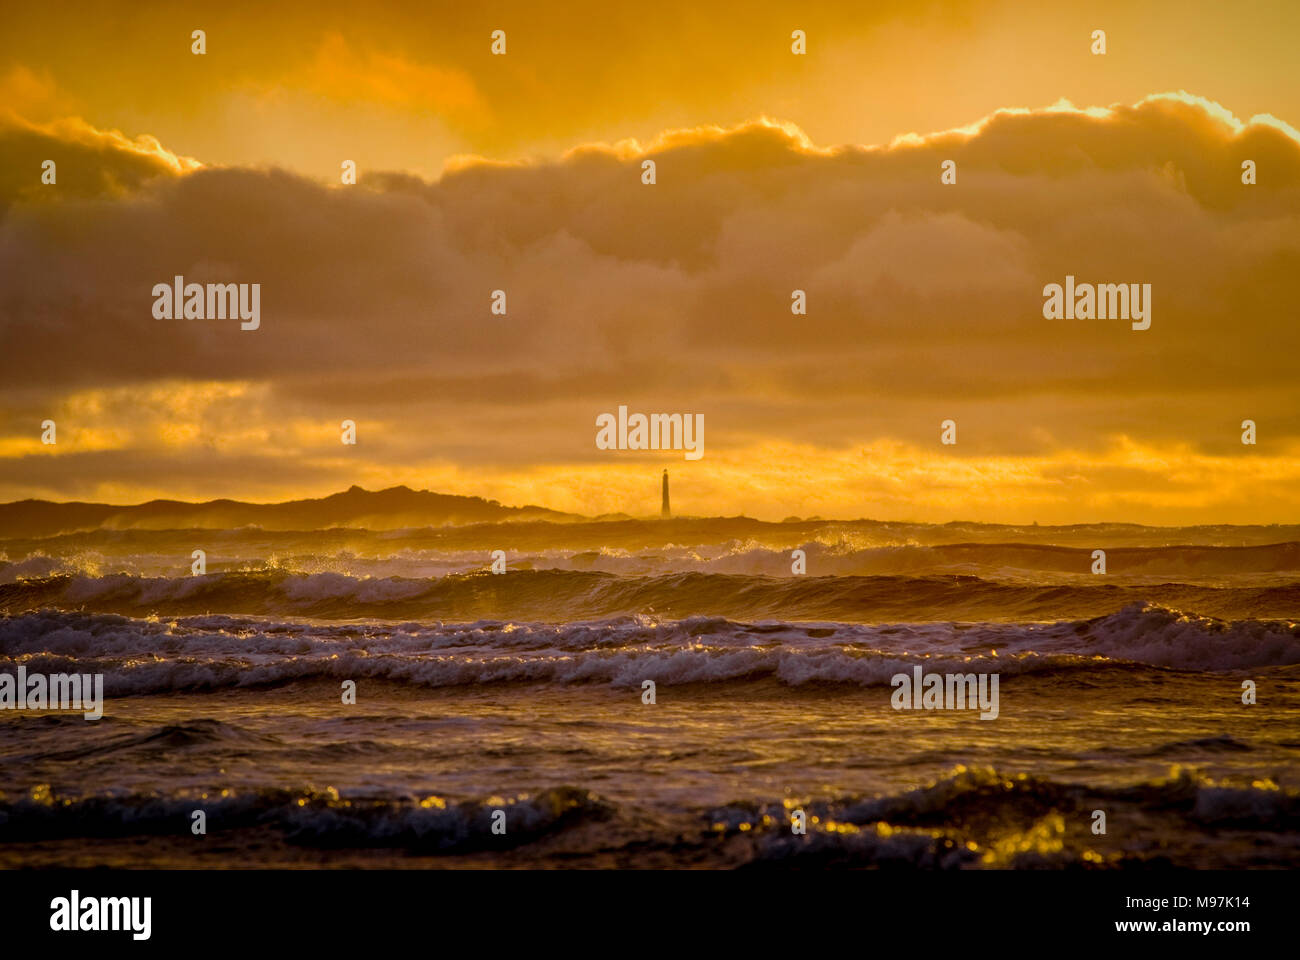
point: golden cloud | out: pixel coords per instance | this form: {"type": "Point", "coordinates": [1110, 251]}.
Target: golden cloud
{"type": "Point", "coordinates": [924, 304]}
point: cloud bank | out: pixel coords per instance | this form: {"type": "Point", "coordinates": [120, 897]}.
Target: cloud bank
{"type": "Point", "coordinates": [924, 303]}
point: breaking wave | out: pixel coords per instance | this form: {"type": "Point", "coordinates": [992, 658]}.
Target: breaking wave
{"type": "Point", "coordinates": [220, 651]}
{"type": "Point", "coordinates": [562, 596]}
{"type": "Point", "coordinates": [971, 818]}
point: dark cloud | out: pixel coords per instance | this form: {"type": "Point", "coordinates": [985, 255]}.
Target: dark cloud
{"type": "Point", "coordinates": [924, 300]}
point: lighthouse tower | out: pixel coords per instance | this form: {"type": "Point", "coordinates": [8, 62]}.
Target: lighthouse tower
{"type": "Point", "coordinates": [665, 512]}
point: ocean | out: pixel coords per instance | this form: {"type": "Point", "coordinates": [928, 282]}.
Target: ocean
{"type": "Point", "coordinates": [502, 720]}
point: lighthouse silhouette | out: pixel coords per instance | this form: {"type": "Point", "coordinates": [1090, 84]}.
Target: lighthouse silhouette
{"type": "Point", "coordinates": [665, 512]}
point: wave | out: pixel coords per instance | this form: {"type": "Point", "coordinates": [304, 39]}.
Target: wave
{"type": "Point", "coordinates": [562, 596]}
{"type": "Point", "coordinates": [213, 652]}
{"type": "Point", "coordinates": [969, 818]}
{"type": "Point", "coordinates": [833, 553]}
{"type": "Point", "coordinates": [969, 793]}
{"type": "Point", "coordinates": [987, 818]}
{"type": "Point", "coordinates": [306, 816]}
{"type": "Point", "coordinates": [163, 740]}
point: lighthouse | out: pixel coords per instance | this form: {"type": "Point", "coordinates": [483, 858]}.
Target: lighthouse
{"type": "Point", "coordinates": [665, 512]}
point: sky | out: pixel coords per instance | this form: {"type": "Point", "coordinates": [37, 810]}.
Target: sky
{"type": "Point", "coordinates": [775, 172]}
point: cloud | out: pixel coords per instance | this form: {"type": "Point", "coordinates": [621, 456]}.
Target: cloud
{"type": "Point", "coordinates": [925, 300]}
{"type": "Point", "coordinates": [345, 72]}
{"type": "Point", "coordinates": [30, 93]}
{"type": "Point", "coordinates": [88, 162]}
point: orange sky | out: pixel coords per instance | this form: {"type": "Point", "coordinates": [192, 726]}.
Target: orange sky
{"type": "Point", "coordinates": [775, 172]}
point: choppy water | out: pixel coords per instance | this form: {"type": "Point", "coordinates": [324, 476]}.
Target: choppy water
{"type": "Point", "coordinates": [522, 692]}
